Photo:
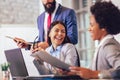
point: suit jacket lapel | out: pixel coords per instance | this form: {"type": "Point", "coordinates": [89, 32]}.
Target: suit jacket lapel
{"type": "Point", "coordinates": [42, 21]}
{"type": "Point", "coordinates": [94, 65]}
{"type": "Point", "coordinates": [97, 56]}
{"type": "Point", "coordinates": [57, 12]}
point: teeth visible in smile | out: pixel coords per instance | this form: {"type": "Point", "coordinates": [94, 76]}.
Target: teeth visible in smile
{"type": "Point", "coordinates": [58, 38]}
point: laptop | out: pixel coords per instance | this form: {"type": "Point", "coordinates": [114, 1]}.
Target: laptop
{"type": "Point", "coordinates": [18, 68]}
{"type": "Point", "coordinates": [17, 64]}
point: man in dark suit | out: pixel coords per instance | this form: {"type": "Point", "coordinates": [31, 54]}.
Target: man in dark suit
{"type": "Point", "coordinates": [57, 12]}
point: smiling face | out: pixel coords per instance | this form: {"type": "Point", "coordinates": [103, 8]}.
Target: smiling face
{"type": "Point", "coordinates": [94, 29]}
{"type": "Point", "coordinates": [57, 35]}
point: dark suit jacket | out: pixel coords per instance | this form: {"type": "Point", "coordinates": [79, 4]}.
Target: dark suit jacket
{"type": "Point", "coordinates": [63, 14]}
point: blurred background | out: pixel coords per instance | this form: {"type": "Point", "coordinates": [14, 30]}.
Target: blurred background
{"type": "Point", "coordinates": [18, 18]}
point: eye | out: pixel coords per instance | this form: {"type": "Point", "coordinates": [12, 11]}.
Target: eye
{"type": "Point", "coordinates": [91, 25]}
{"type": "Point", "coordinates": [63, 31]}
{"type": "Point", "coordinates": [56, 30]}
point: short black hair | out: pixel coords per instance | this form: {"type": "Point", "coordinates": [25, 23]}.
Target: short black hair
{"type": "Point", "coordinates": [66, 39]}
{"type": "Point", "coordinates": [107, 15]}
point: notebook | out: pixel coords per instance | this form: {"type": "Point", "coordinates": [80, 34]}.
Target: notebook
{"type": "Point", "coordinates": [18, 67]}
{"type": "Point", "coordinates": [51, 60]}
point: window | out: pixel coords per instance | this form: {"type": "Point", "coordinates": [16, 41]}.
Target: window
{"type": "Point", "coordinates": [85, 44]}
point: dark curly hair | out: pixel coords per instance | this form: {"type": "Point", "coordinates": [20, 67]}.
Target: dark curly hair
{"type": "Point", "coordinates": [66, 39]}
{"type": "Point", "coordinates": [107, 15]}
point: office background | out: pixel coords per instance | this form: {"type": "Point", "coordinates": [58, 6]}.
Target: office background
{"type": "Point", "coordinates": [18, 19]}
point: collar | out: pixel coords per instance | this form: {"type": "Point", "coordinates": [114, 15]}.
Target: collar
{"type": "Point", "coordinates": [57, 49]}
{"type": "Point", "coordinates": [105, 38]}
{"type": "Point", "coordinates": [55, 9]}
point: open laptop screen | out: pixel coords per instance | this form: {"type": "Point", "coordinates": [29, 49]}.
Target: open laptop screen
{"type": "Point", "coordinates": [17, 64]}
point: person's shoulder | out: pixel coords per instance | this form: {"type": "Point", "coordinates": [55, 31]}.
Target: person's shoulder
{"type": "Point", "coordinates": [43, 13]}
{"type": "Point", "coordinates": [65, 8]}
{"type": "Point", "coordinates": [68, 45]}
{"type": "Point", "coordinates": [111, 41]}
{"type": "Point", "coordinates": [111, 44]}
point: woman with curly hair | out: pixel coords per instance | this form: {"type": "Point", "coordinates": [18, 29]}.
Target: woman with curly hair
{"type": "Point", "coordinates": [104, 23]}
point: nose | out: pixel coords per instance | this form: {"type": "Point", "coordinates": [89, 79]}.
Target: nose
{"type": "Point", "coordinates": [45, 1]}
{"type": "Point", "coordinates": [59, 32]}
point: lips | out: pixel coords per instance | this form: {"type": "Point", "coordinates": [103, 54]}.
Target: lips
{"type": "Point", "coordinates": [58, 38]}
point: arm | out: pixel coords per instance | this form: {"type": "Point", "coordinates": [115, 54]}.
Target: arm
{"type": "Point", "coordinates": [84, 72]}
{"type": "Point", "coordinates": [69, 54]}
{"type": "Point", "coordinates": [71, 24]}
{"type": "Point", "coordinates": [112, 56]}
{"type": "Point", "coordinates": [21, 43]}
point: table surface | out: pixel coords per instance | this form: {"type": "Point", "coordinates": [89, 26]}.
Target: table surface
{"type": "Point", "coordinates": [74, 77]}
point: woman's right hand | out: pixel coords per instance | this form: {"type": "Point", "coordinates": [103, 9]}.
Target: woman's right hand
{"type": "Point", "coordinates": [39, 46]}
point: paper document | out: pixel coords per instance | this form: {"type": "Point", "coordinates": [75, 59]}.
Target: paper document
{"type": "Point", "coordinates": [51, 60]}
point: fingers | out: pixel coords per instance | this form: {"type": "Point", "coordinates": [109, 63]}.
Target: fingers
{"type": "Point", "coordinates": [20, 42]}
{"type": "Point", "coordinates": [60, 71]}
{"type": "Point", "coordinates": [34, 45]}
{"type": "Point", "coordinates": [39, 46]}
{"type": "Point", "coordinates": [79, 73]}
{"type": "Point", "coordinates": [43, 45]}
{"type": "Point", "coordinates": [75, 68]}
{"type": "Point", "coordinates": [35, 49]}
{"type": "Point", "coordinates": [82, 72]}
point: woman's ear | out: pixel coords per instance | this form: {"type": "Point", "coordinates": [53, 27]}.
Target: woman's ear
{"type": "Point", "coordinates": [103, 29]}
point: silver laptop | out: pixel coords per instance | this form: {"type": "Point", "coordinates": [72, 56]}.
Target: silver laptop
{"type": "Point", "coordinates": [17, 64]}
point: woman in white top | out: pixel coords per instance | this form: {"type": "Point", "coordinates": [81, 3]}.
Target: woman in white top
{"type": "Point", "coordinates": [60, 47]}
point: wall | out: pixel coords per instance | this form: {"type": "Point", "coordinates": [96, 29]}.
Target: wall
{"type": "Point", "coordinates": [25, 31]}
{"type": "Point", "coordinates": [18, 11]}
{"type": "Point", "coordinates": [18, 19]}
